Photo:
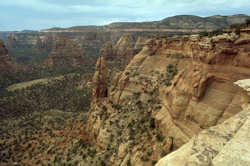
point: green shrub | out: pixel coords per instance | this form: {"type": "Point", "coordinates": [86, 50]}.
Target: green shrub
{"type": "Point", "coordinates": [204, 33]}
{"type": "Point", "coordinates": [163, 153]}
{"type": "Point", "coordinates": [248, 21]}
{"type": "Point", "coordinates": [154, 162]}
{"type": "Point", "coordinates": [159, 137]}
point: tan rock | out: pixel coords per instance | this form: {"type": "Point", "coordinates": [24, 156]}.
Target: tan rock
{"type": "Point", "coordinates": [224, 144]}
{"type": "Point", "coordinates": [107, 51]}
{"type": "Point", "coordinates": [245, 84]}
{"type": "Point", "coordinates": [100, 89]}
{"type": "Point", "coordinates": [65, 52]}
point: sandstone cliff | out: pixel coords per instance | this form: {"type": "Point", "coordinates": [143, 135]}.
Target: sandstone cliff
{"type": "Point", "coordinates": [65, 52]}
{"type": "Point", "coordinates": [107, 51]}
{"type": "Point", "coordinates": [226, 144]}
{"type": "Point", "coordinates": [172, 89]}
{"type": "Point", "coordinates": [124, 50]}
{"type": "Point", "coordinates": [207, 68]}
{"type": "Point", "coordinates": [100, 86]}
{"type": "Point", "coordinates": [128, 46]}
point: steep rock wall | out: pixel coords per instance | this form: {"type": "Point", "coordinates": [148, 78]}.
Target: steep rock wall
{"type": "Point", "coordinates": [180, 85]}
{"type": "Point", "coordinates": [225, 144]}
{"type": "Point", "coordinates": [207, 68]}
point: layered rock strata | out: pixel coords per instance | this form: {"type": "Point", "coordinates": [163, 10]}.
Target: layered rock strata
{"type": "Point", "coordinates": [226, 144]}
{"type": "Point", "coordinates": [182, 85]}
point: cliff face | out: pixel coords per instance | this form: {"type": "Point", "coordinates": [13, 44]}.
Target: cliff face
{"type": "Point", "coordinates": [65, 52]}
{"type": "Point", "coordinates": [207, 68]}
{"type": "Point", "coordinates": [225, 144]}
{"type": "Point", "coordinates": [107, 51]}
{"type": "Point", "coordinates": [6, 62]}
{"type": "Point", "coordinates": [124, 50]}
{"type": "Point", "coordinates": [100, 87]}
{"type": "Point", "coordinates": [128, 46]}
{"type": "Point", "coordinates": [180, 85]}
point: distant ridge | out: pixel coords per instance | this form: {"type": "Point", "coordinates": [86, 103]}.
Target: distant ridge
{"type": "Point", "coordinates": [175, 22]}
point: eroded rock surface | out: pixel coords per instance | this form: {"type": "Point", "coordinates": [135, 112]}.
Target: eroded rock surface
{"type": "Point", "coordinates": [65, 52]}
{"type": "Point", "coordinates": [225, 144]}
{"type": "Point", "coordinates": [100, 87]}
{"type": "Point", "coordinates": [180, 85]}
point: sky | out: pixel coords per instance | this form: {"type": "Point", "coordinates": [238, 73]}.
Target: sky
{"type": "Point", "coordinates": [44, 14]}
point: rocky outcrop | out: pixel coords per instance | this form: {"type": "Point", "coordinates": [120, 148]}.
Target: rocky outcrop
{"type": "Point", "coordinates": [107, 51]}
{"type": "Point", "coordinates": [100, 86]}
{"type": "Point", "coordinates": [6, 62]}
{"type": "Point", "coordinates": [3, 49]}
{"type": "Point", "coordinates": [128, 46]}
{"type": "Point", "coordinates": [185, 84]}
{"type": "Point", "coordinates": [245, 84]}
{"type": "Point", "coordinates": [120, 54]}
{"type": "Point", "coordinates": [125, 42]}
{"type": "Point", "coordinates": [65, 52]}
{"type": "Point", "coordinates": [223, 145]}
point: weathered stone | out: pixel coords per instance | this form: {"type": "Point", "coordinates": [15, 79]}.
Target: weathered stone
{"type": "Point", "coordinates": [100, 89]}
{"type": "Point", "coordinates": [225, 144]}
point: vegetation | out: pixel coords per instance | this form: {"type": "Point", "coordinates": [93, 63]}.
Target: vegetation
{"type": "Point", "coordinates": [43, 123]}
{"type": "Point", "coordinates": [234, 27]}
{"type": "Point", "coordinates": [38, 72]}
{"type": "Point", "coordinates": [60, 94]}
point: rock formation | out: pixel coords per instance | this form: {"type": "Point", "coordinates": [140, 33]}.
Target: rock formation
{"type": "Point", "coordinates": [6, 62]}
{"type": "Point", "coordinates": [65, 52]}
{"type": "Point", "coordinates": [100, 86]}
{"type": "Point", "coordinates": [107, 51]}
{"type": "Point", "coordinates": [181, 84]}
{"type": "Point", "coordinates": [226, 144]}
{"type": "Point", "coordinates": [245, 84]}
{"type": "Point", "coordinates": [121, 53]}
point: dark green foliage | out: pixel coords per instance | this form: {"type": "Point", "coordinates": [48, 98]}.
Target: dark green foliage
{"type": "Point", "coordinates": [171, 72]}
{"type": "Point", "coordinates": [163, 153]}
{"type": "Point", "coordinates": [159, 137]}
{"type": "Point", "coordinates": [152, 123]}
{"type": "Point", "coordinates": [248, 21]}
{"type": "Point", "coordinates": [212, 33]}
{"type": "Point", "coordinates": [59, 94]}
{"type": "Point", "coordinates": [128, 162]}
{"type": "Point", "coordinates": [27, 56]}
{"type": "Point", "coordinates": [154, 162]}
{"type": "Point", "coordinates": [237, 30]}
{"type": "Point", "coordinates": [204, 33]}
{"type": "Point", "coordinates": [36, 72]}
{"type": "Point", "coordinates": [116, 106]}
{"type": "Point", "coordinates": [216, 32]}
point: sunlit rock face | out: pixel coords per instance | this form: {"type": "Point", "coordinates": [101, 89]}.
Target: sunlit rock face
{"type": "Point", "coordinates": [225, 144]}
{"type": "Point", "coordinates": [100, 87]}
{"type": "Point", "coordinates": [65, 52]}
{"type": "Point", "coordinates": [186, 84]}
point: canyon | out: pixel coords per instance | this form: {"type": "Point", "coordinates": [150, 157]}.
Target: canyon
{"type": "Point", "coordinates": [24, 45]}
{"type": "Point", "coordinates": [170, 91]}
{"type": "Point", "coordinates": [161, 94]}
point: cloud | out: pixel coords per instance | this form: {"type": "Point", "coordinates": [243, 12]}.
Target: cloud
{"type": "Point", "coordinates": [39, 14]}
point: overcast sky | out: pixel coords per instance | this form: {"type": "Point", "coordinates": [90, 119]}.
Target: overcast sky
{"type": "Point", "coordinates": [43, 14]}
